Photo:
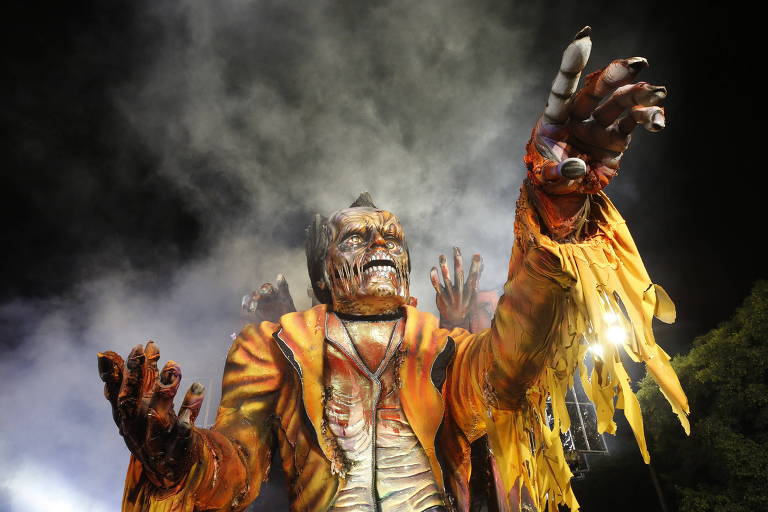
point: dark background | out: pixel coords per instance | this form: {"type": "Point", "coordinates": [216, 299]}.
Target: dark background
{"type": "Point", "coordinates": [86, 192]}
{"type": "Point", "coordinates": [79, 179]}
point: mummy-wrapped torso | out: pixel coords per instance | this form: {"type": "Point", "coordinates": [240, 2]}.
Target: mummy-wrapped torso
{"type": "Point", "coordinates": [385, 466]}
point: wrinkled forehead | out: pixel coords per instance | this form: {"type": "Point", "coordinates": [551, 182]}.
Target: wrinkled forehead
{"type": "Point", "coordinates": [364, 219]}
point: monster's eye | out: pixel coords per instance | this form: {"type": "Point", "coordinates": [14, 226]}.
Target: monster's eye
{"type": "Point", "coordinates": [354, 240]}
{"type": "Point", "coordinates": [391, 244]}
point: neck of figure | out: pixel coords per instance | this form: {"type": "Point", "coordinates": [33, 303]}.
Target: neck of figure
{"type": "Point", "coordinates": [368, 305]}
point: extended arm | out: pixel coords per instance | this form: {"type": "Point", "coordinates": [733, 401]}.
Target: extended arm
{"type": "Point", "coordinates": [177, 466]}
{"type": "Point", "coordinates": [576, 289]}
{"type": "Point", "coordinates": [574, 151]}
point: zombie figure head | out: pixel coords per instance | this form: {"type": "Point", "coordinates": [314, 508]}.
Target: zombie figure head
{"type": "Point", "coordinates": [358, 260]}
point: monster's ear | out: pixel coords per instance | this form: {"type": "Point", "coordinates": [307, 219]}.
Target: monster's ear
{"type": "Point", "coordinates": [316, 248]}
{"type": "Point", "coordinates": [364, 199]}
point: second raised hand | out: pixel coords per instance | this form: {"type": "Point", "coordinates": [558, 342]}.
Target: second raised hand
{"type": "Point", "coordinates": [455, 297]}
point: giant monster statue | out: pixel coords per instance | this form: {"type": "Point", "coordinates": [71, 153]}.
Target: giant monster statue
{"type": "Point", "coordinates": [371, 403]}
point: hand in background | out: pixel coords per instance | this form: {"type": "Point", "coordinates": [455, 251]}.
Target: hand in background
{"type": "Point", "coordinates": [456, 297]}
{"type": "Point", "coordinates": [270, 302]}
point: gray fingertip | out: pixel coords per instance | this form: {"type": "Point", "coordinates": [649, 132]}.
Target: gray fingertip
{"type": "Point", "coordinates": [586, 31]}
{"type": "Point", "coordinates": [572, 168]}
{"type": "Point", "coordinates": [282, 284]}
{"type": "Point", "coordinates": [637, 63]}
{"type": "Point", "coordinates": [660, 91]}
{"type": "Point", "coordinates": [184, 425]}
{"type": "Point", "coordinates": [197, 388]}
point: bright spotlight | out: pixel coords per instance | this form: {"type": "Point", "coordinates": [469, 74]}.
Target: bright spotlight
{"type": "Point", "coordinates": [616, 334]}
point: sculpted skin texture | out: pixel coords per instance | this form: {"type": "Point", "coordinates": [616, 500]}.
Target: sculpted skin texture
{"type": "Point", "coordinates": [367, 262]}
{"type": "Point", "coordinates": [372, 404]}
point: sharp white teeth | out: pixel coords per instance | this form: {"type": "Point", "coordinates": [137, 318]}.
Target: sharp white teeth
{"type": "Point", "coordinates": [380, 269]}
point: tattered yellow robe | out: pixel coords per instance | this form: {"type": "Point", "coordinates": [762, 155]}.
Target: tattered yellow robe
{"type": "Point", "coordinates": [559, 300]}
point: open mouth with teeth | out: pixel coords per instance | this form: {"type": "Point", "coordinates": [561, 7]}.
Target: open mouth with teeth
{"type": "Point", "coordinates": [379, 267]}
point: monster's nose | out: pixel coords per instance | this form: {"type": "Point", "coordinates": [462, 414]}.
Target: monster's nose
{"type": "Point", "coordinates": [378, 240]}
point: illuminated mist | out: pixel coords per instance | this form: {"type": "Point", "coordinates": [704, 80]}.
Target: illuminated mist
{"type": "Point", "coordinates": [261, 114]}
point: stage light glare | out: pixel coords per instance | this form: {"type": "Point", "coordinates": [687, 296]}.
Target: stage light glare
{"type": "Point", "coordinates": [616, 334]}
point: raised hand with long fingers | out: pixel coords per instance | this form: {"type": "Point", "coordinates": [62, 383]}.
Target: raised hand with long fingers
{"type": "Point", "coordinates": [577, 144]}
{"type": "Point", "coordinates": [142, 407]}
{"type": "Point", "coordinates": [456, 297]}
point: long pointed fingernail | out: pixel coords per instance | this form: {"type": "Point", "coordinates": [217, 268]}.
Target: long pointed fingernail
{"type": "Point", "coordinates": [637, 63]}
{"type": "Point", "coordinates": [586, 31]}
{"type": "Point", "coordinates": [572, 168]}
{"type": "Point", "coordinates": [658, 122]}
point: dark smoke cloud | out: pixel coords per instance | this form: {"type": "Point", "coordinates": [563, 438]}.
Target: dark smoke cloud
{"type": "Point", "coordinates": [250, 117]}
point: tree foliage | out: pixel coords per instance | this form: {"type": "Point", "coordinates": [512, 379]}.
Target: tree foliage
{"type": "Point", "coordinates": [724, 463]}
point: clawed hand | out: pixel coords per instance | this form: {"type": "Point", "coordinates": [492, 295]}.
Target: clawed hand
{"type": "Point", "coordinates": [142, 407]}
{"type": "Point", "coordinates": [578, 142]}
{"type": "Point", "coordinates": [456, 297]}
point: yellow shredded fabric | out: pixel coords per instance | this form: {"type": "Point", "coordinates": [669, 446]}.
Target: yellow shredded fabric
{"type": "Point", "coordinates": [609, 272]}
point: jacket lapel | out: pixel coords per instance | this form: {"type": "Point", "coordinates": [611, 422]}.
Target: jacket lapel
{"type": "Point", "coordinates": [301, 338]}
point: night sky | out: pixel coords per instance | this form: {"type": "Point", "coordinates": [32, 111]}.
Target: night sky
{"type": "Point", "coordinates": [163, 158]}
